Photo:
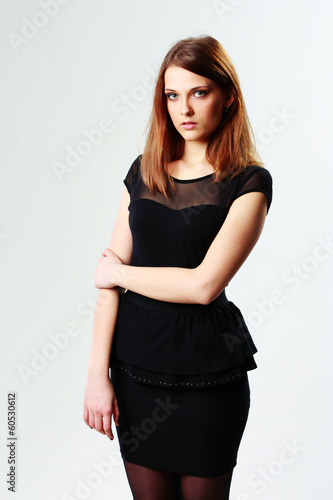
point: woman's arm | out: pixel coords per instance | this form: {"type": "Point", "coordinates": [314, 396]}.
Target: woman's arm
{"type": "Point", "coordinates": [230, 248]}
{"type": "Point", "coordinates": [100, 402]}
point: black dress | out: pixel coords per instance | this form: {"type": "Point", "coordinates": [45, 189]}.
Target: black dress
{"type": "Point", "coordinates": [180, 370]}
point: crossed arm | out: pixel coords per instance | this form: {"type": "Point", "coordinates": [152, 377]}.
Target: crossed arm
{"type": "Point", "coordinates": [231, 246]}
{"type": "Point", "coordinates": [228, 251]}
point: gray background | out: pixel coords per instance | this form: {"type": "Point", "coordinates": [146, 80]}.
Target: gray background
{"type": "Point", "coordinates": [66, 69]}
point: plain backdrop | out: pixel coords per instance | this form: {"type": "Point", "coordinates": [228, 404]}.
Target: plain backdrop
{"type": "Point", "coordinates": [76, 92]}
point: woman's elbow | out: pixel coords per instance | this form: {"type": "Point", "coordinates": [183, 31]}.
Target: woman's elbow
{"type": "Point", "coordinates": [207, 297]}
{"type": "Point", "coordinates": [206, 294]}
{"type": "Point", "coordinates": [205, 289]}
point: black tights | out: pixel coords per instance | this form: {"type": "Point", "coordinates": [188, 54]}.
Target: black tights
{"type": "Point", "coordinates": [153, 484]}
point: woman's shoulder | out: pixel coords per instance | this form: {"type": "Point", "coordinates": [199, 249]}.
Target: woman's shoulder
{"type": "Point", "coordinates": [257, 173]}
{"type": "Point", "coordinates": [255, 178]}
{"type": "Point", "coordinates": [133, 173]}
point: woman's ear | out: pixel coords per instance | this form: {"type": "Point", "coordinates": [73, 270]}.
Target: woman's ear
{"type": "Point", "coordinates": [229, 98]}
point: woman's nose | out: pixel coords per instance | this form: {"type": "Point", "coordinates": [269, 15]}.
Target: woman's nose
{"type": "Point", "coordinates": [186, 110]}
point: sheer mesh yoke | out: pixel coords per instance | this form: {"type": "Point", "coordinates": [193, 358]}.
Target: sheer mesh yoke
{"type": "Point", "coordinates": [205, 344]}
{"type": "Point", "coordinates": [192, 193]}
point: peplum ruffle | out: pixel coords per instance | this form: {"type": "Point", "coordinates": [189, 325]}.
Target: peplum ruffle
{"type": "Point", "coordinates": [181, 344]}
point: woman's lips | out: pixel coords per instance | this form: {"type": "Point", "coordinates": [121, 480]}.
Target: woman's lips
{"type": "Point", "coordinates": [189, 125]}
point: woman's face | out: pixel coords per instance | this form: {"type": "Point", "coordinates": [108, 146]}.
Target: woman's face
{"type": "Point", "coordinates": [195, 103]}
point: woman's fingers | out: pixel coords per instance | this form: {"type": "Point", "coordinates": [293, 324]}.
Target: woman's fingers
{"type": "Point", "coordinates": [115, 412]}
{"type": "Point", "coordinates": [99, 423]}
{"type": "Point", "coordinates": [114, 258]}
{"type": "Point", "coordinates": [102, 423]}
{"type": "Point", "coordinates": [91, 420]}
{"type": "Point", "coordinates": [107, 252]}
{"type": "Point", "coordinates": [99, 406]}
{"type": "Point", "coordinates": [85, 415]}
{"type": "Point", "coordinates": [107, 426]}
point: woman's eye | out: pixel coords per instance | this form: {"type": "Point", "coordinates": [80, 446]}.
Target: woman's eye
{"type": "Point", "coordinates": [198, 93]}
{"type": "Point", "coordinates": [201, 93]}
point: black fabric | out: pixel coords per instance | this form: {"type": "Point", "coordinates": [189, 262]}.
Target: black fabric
{"type": "Point", "coordinates": [206, 345]}
{"type": "Point", "coordinates": [178, 231]}
{"type": "Point", "coordinates": [197, 381]}
{"type": "Point", "coordinates": [206, 340]}
{"type": "Point", "coordinates": [192, 432]}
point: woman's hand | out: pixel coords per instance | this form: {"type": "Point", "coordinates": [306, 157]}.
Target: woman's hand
{"type": "Point", "coordinates": [104, 276]}
{"type": "Point", "coordinates": [100, 403]}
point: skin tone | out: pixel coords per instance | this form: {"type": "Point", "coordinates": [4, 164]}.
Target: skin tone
{"type": "Point", "coordinates": [190, 97]}
{"type": "Point", "coordinates": [197, 99]}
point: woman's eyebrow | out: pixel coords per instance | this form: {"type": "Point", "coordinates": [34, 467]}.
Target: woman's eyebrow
{"type": "Point", "coordinates": [194, 88]}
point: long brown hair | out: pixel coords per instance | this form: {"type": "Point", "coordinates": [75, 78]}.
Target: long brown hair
{"type": "Point", "coordinates": [232, 145]}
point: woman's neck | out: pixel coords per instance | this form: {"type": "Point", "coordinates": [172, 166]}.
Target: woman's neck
{"type": "Point", "coordinates": [194, 153]}
{"type": "Point", "coordinates": [193, 163]}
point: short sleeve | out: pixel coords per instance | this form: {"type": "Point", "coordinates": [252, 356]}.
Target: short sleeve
{"type": "Point", "coordinates": [256, 178]}
{"type": "Point", "coordinates": [132, 174]}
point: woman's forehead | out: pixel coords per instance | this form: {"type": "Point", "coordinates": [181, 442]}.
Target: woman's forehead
{"type": "Point", "coordinates": [183, 78]}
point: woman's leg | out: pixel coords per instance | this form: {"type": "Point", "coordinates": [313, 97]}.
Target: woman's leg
{"type": "Point", "coordinates": [152, 484]}
{"type": "Point", "coordinates": [206, 488]}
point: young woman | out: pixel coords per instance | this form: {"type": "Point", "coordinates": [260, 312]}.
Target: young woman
{"type": "Point", "coordinates": [192, 209]}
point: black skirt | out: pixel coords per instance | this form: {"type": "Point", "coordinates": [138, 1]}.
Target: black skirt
{"type": "Point", "coordinates": [192, 431]}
